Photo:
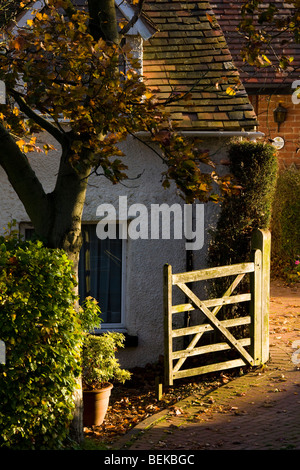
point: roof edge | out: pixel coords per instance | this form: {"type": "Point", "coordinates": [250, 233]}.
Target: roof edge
{"type": "Point", "coordinates": [250, 134]}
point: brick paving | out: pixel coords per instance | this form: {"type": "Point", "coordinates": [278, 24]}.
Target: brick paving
{"type": "Point", "coordinates": [259, 410]}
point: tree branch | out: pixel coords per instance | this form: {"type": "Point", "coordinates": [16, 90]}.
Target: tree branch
{"type": "Point", "coordinates": [37, 118]}
{"type": "Point", "coordinates": [24, 180]}
{"type": "Point", "coordinates": [103, 21]}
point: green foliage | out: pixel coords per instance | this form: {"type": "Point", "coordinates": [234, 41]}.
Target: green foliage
{"type": "Point", "coordinates": [254, 167]}
{"type": "Point", "coordinates": [260, 24]}
{"type": "Point", "coordinates": [99, 362]}
{"type": "Point", "coordinates": [89, 314]}
{"type": "Point", "coordinates": [286, 225]}
{"type": "Point", "coordinates": [42, 334]}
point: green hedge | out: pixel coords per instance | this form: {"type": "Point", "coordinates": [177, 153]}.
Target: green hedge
{"type": "Point", "coordinates": [41, 331]}
{"type": "Point", "coordinates": [286, 225]}
{"type": "Point", "coordinates": [254, 168]}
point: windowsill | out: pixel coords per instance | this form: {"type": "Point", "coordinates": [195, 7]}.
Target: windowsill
{"type": "Point", "coordinates": [130, 340]}
{"type": "Point", "coordinates": [105, 329]}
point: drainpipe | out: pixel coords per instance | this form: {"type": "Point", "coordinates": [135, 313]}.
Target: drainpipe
{"type": "Point", "coordinates": [189, 265]}
{"type": "Point", "coordinates": [253, 135]}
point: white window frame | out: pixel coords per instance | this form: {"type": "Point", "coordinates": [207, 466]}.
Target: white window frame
{"type": "Point", "coordinates": [120, 327]}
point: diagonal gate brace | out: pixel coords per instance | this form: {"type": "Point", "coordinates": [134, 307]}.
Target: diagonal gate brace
{"type": "Point", "coordinates": [214, 322]}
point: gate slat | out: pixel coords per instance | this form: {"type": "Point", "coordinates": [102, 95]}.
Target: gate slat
{"type": "Point", "coordinates": [209, 368]}
{"type": "Point", "coordinates": [213, 273]}
{"type": "Point", "coordinates": [207, 349]}
{"type": "Point", "coordinates": [190, 330]}
{"type": "Point", "coordinates": [182, 308]}
{"type": "Point", "coordinates": [213, 302]}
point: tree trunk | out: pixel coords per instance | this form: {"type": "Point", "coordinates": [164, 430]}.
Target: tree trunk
{"type": "Point", "coordinates": [103, 22]}
{"type": "Point", "coordinates": [56, 217]}
{"type": "Point", "coordinates": [24, 181]}
{"type": "Point", "coordinates": [68, 200]}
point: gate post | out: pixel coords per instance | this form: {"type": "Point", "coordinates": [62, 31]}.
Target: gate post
{"type": "Point", "coordinates": [168, 340]}
{"type": "Point", "coordinates": [260, 290]}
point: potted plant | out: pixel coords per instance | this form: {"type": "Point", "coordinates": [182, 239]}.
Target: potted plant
{"type": "Point", "coordinates": [100, 367]}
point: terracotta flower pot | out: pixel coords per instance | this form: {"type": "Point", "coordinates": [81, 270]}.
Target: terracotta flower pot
{"type": "Point", "coordinates": [95, 404]}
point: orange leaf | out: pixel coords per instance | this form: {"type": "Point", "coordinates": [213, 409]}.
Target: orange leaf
{"type": "Point", "coordinates": [230, 91]}
{"type": "Point", "coordinates": [18, 43]}
{"type": "Point", "coordinates": [20, 143]}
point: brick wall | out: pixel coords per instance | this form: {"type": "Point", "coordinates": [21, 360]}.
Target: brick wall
{"type": "Point", "coordinates": [289, 130]}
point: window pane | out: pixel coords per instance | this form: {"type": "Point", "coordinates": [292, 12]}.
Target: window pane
{"type": "Point", "coordinates": [100, 273]}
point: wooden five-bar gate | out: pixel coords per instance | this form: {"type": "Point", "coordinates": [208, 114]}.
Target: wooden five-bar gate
{"type": "Point", "coordinates": [252, 350]}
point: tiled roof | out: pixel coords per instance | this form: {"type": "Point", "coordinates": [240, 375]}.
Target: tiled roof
{"type": "Point", "coordinates": [189, 52]}
{"type": "Point", "coordinates": [228, 15]}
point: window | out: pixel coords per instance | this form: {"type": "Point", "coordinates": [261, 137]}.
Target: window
{"type": "Point", "coordinates": [100, 273]}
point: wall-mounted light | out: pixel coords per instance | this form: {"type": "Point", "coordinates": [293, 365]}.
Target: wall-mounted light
{"type": "Point", "coordinates": [280, 115]}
